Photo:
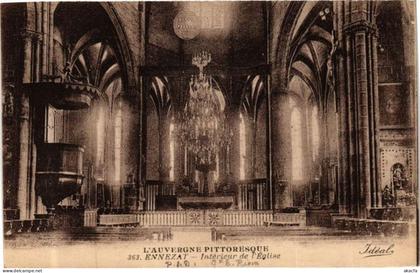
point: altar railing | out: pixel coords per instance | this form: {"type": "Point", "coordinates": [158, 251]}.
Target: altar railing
{"type": "Point", "coordinates": [247, 218]}
{"type": "Point", "coordinates": [193, 218]}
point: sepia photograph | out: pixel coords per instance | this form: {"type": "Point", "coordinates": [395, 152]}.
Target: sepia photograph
{"type": "Point", "coordinates": [178, 134]}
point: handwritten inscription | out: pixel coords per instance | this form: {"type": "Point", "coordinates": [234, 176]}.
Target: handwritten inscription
{"type": "Point", "coordinates": [372, 250]}
{"type": "Point", "coordinates": [234, 263]}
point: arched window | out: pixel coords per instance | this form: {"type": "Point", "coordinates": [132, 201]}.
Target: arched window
{"type": "Point", "coordinates": [315, 133]}
{"type": "Point", "coordinates": [152, 151]}
{"type": "Point", "coordinates": [217, 173]}
{"type": "Point", "coordinates": [117, 143]}
{"type": "Point", "coordinates": [100, 136]}
{"type": "Point", "coordinates": [242, 146]}
{"type": "Point", "coordinates": [171, 152]}
{"type": "Point", "coordinates": [296, 136]}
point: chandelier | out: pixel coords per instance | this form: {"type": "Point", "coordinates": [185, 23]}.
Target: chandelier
{"type": "Point", "coordinates": [203, 127]}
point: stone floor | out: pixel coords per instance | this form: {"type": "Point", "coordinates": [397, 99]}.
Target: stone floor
{"type": "Point", "coordinates": [111, 235]}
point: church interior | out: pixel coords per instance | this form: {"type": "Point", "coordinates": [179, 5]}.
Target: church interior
{"type": "Point", "coordinates": [273, 114]}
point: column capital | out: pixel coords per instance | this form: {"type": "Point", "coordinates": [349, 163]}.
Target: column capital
{"type": "Point", "coordinates": [130, 97]}
{"type": "Point", "coordinates": [24, 108]}
{"type": "Point", "coordinates": [30, 34]}
{"type": "Point", "coordinates": [361, 26]}
{"type": "Point", "coordinates": [277, 92]}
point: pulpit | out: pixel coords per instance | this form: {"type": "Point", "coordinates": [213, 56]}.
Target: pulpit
{"type": "Point", "coordinates": [63, 95]}
{"type": "Point", "coordinates": [59, 168]}
{"type": "Point", "coordinates": [59, 172]}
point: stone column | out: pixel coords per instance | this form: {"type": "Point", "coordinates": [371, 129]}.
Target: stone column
{"type": "Point", "coordinates": [234, 150]}
{"type": "Point", "coordinates": [268, 150]}
{"type": "Point", "coordinates": [142, 140]}
{"type": "Point", "coordinates": [23, 174]}
{"type": "Point", "coordinates": [281, 147]}
{"type": "Point", "coordinates": [374, 117]}
{"type": "Point", "coordinates": [109, 160]}
{"type": "Point", "coordinates": [363, 119]}
{"type": "Point", "coordinates": [359, 113]}
{"type": "Point", "coordinates": [164, 151]}
{"type": "Point", "coordinates": [177, 94]}
{"type": "Point", "coordinates": [253, 132]}
{"type": "Point", "coordinates": [33, 196]}
{"type": "Point", "coordinates": [142, 115]}
{"type": "Point", "coordinates": [343, 155]}
{"type": "Point", "coordinates": [340, 69]}
{"type": "Point", "coordinates": [249, 145]}
{"type": "Point", "coordinates": [306, 150]}
{"type": "Point", "coordinates": [222, 165]}
{"type": "Point", "coordinates": [409, 40]}
{"type": "Point", "coordinates": [24, 132]}
{"type": "Point", "coordinates": [322, 155]}
{"type": "Point", "coordinates": [129, 144]}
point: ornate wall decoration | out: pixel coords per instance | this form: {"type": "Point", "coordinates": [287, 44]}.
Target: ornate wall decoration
{"type": "Point", "coordinates": [391, 156]}
{"type": "Point", "coordinates": [397, 137]}
{"type": "Point", "coordinates": [187, 25]}
{"type": "Point", "coordinates": [394, 106]}
{"type": "Point", "coordinates": [195, 217]}
{"type": "Point", "coordinates": [214, 219]}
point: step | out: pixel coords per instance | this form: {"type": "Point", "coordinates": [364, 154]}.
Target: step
{"type": "Point", "coordinates": [282, 224]}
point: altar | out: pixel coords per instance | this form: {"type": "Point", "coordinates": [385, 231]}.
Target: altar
{"type": "Point", "coordinates": [205, 202]}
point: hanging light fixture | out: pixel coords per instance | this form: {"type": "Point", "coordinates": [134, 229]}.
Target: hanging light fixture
{"type": "Point", "coordinates": [202, 128]}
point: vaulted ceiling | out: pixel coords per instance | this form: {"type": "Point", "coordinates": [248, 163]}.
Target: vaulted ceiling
{"type": "Point", "coordinates": [234, 32]}
{"type": "Point", "coordinates": [311, 47]}
{"type": "Point", "coordinates": [84, 44]}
